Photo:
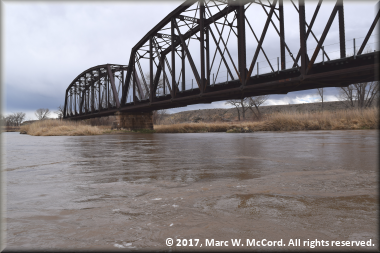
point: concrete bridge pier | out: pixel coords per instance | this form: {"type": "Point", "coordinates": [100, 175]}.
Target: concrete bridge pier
{"type": "Point", "coordinates": [133, 120]}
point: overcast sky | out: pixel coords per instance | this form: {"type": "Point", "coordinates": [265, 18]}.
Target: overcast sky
{"type": "Point", "coordinates": [45, 45]}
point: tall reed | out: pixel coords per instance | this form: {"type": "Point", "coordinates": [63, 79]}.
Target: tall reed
{"type": "Point", "coordinates": [58, 128]}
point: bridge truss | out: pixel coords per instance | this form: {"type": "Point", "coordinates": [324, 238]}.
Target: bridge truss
{"type": "Point", "coordinates": [198, 54]}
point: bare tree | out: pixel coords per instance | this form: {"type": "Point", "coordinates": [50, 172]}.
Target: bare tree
{"type": "Point", "coordinates": [320, 93]}
{"type": "Point", "coordinates": [59, 112]}
{"type": "Point", "coordinates": [42, 113]}
{"type": "Point", "coordinates": [363, 94]}
{"type": "Point", "coordinates": [19, 117]}
{"type": "Point", "coordinates": [240, 104]}
{"type": "Point", "coordinates": [347, 94]}
{"type": "Point", "coordinates": [255, 103]}
{"type": "Point", "coordinates": [14, 119]}
{"type": "Point", "coordinates": [158, 116]}
{"type": "Point", "coordinates": [244, 106]}
{"type": "Point", "coordinates": [10, 120]}
{"type": "Point", "coordinates": [236, 103]}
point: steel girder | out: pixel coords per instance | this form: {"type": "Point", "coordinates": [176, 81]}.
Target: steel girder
{"type": "Point", "coordinates": [200, 38]}
{"type": "Point", "coordinates": [94, 90]}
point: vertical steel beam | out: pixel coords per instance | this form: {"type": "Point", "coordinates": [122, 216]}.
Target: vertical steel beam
{"type": "Point", "coordinates": [151, 69]}
{"type": "Point", "coordinates": [189, 58]}
{"type": "Point", "coordinates": [310, 31]}
{"type": "Point", "coordinates": [82, 100]}
{"type": "Point", "coordinates": [93, 93]}
{"type": "Point", "coordinates": [241, 43]}
{"type": "Point", "coordinates": [282, 35]}
{"type": "Point", "coordinates": [342, 37]}
{"type": "Point", "coordinates": [323, 37]}
{"type": "Point", "coordinates": [183, 68]}
{"type": "Point", "coordinates": [75, 99]}
{"type": "Point", "coordinates": [208, 55]}
{"type": "Point", "coordinates": [173, 56]}
{"type": "Point", "coordinates": [69, 104]}
{"type": "Point", "coordinates": [87, 100]}
{"type": "Point", "coordinates": [261, 39]}
{"type": "Point", "coordinates": [202, 41]}
{"type": "Point", "coordinates": [302, 17]}
{"type": "Point", "coordinates": [278, 32]}
{"type": "Point", "coordinates": [84, 108]}
{"type": "Point", "coordinates": [100, 98]}
{"type": "Point", "coordinates": [72, 102]}
{"type": "Point", "coordinates": [122, 82]}
{"type": "Point", "coordinates": [107, 89]}
{"type": "Point", "coordinates": [163, 76]}
{"type": "Point", "coordinates": [134, 84]}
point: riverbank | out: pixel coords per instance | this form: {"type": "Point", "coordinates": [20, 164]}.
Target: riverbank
{"type": "Point", "coordinates": [10, 129]}
{"type": "Point", "coordinates": [284, 121]}
{"type": "Point", "coordinates": [59, 128]}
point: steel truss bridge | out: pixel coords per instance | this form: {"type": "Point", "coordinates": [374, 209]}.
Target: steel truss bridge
{"type": "Point", "coordinates": [198, 40]}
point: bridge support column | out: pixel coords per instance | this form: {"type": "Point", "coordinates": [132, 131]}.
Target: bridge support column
{"type": "Point", "coordinates": [133, 120]}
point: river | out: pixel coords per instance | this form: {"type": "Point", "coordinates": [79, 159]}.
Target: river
{"type": "Point", "coordinates": [134, 191]}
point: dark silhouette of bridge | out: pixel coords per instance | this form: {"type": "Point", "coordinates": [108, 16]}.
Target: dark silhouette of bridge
{"type": "Point", "coordinates": [195, 40]}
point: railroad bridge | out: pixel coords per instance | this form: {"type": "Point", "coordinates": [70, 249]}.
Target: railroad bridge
{"type": "Point", "coordinates": [190, 58]}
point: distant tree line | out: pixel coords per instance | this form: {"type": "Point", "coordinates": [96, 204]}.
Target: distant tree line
{"type": "Point", "coordinates": [14, 119]}
{"type": "Point", "coordinates": [359, 95]}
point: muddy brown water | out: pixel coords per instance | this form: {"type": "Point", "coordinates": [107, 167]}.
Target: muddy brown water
{"type": "Point", "coordinates": [133, 191]}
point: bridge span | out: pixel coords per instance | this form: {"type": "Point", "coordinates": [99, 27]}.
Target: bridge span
{"type": "Point", "coordinates": [194, 41]}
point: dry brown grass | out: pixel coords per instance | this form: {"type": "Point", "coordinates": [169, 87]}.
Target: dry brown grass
{"type": "Point", "coordinates": [283, 121]}
{"type": "Point", "coordinates": [286, 121]}
{"type": "Point", "coordinates": [58, 128]}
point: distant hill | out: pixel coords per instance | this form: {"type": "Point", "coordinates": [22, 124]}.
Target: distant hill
{"type": "Point", "coordinates": [211, 115]}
